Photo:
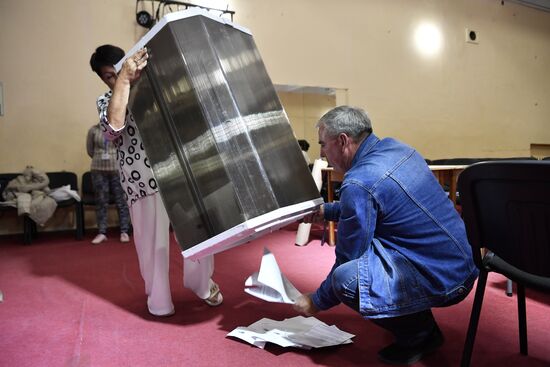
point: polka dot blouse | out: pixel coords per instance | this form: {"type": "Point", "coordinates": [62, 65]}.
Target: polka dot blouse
{"type": "Point", "coordinates": [136, 175]}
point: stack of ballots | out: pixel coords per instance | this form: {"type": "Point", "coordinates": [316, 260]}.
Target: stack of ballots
{"type": "Point", "coordinates": [300, 332]}
{"type": "Point", "coordinates": [228, 165]}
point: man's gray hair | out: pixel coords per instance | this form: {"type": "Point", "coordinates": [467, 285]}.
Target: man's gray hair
{"type": "Point", "coordinates": [352, 121]}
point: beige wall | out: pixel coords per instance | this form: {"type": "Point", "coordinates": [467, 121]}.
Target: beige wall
{"type": "Point", "coordinates": [486, 99]}
{"type": "Point", "coordinates": [303, 111]}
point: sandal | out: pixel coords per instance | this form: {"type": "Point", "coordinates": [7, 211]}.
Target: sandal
{"type": "Point", "coordinates": [215, 298]}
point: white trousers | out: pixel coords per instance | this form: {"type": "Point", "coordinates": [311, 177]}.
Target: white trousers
{"type": "Point", "coordinates": [152, 239]}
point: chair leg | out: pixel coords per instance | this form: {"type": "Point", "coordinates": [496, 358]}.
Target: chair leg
{"type": "Point", "coordinates": [474, 319]}
{"type": "Point", "coordinates": [83, 220]}
{"type": "Point", "coordinates": [79, 221]}
{"type": "Point", "coordinates": [27, 230]}
{"type": "Point", "coordinates": [522, 319]}
{"type": "Point", "coordinates": [509, 285]}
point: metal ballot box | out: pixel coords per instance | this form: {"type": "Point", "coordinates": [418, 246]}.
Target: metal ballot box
{"type": "Point", "coordinates": [227, 163]}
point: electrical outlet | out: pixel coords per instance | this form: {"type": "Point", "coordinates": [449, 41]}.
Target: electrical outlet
{"type": "Point", "coordinates": [472, 36]}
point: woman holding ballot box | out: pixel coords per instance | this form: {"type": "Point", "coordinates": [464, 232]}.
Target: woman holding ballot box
{"type": "Point", "coordinates": [149, 218]}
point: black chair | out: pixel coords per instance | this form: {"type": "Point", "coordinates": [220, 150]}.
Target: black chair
{"type": "Point", "coordinates": [58, 179]}
{"type": "Point", "coordinates": [469, 161]}
{"type": "Point", "coordinates": [29, 227]}
{"type": "Point", "coordinates": [87, 189]}
{"type": "Point", "coordinates": [454, 161]}
{"type": "Point", "coordinates": [506, 208]}
{"type": "Point", "coordinates": [5, 179]}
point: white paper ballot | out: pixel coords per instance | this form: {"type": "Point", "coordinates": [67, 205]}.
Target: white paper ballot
{"type": "Point", "coordinates": [299, 332]}
{"type": "Point", "coordinates": [269, 283]}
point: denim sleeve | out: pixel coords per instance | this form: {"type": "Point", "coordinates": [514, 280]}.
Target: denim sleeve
{"type": "Point", "coordinates": [356, 224]}
{"type": "Point", "coordinates": [332, 211]}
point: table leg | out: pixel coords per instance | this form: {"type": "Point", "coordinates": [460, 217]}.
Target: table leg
{"type": "Point", "coordinates": [330, 198]}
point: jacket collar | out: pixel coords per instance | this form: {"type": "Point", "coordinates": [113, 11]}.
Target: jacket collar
{"type": "Point", "coordinates": [366, 146]}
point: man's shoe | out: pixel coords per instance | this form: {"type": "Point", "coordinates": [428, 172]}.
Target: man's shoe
{"type": "Point", "coordinates": [124, 237]}
{"type": "Point", "coordinates": [215, 298]}
{"type": "Point", "coordinates": [406, 355]}
{"type": "Point", "coordinates": [99, 238]}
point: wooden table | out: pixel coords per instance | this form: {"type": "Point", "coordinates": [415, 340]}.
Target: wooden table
{"type": "Point", "coordinates": [445, 174]}
{"type": "Point", "coordinates": [448, 175]}
{"type": "Point", "coordinates": [331, 177]}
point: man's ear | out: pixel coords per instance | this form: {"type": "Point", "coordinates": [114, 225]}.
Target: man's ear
{"type": "Point", "coordinates": [343, 140]}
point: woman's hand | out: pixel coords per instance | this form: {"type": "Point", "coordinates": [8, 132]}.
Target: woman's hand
{"type": "Point", "coordinates": [305, 305]}
{"type": "Point", "coordinates": [129, 73]}
{"type": "Point", "coordinates": [132, 66]}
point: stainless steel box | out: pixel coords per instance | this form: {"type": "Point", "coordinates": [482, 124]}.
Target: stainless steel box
{"type": "Point", "coordinates": [218, 140]}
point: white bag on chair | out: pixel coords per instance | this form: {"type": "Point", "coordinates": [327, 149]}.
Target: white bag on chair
{"type": "Point", "coordinates": [302, 236]}
{"type": "Point", "coordinates": [64, 193]}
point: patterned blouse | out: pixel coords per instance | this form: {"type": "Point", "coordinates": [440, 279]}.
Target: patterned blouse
{"type": "Point", "coordinates": [136, 176]}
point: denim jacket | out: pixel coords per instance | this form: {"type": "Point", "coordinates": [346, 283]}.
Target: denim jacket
{"type": "Point", "coordinates": [410, 241]}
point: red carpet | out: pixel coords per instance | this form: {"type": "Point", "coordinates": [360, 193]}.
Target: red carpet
{"type": "Point", "coordinates": [68, 303]}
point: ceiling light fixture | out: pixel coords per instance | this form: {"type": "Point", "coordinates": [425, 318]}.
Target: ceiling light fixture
{"type": "Point", "coordinates": [145, 19]}
{"type": "Point", "coordinates": [161, 7]}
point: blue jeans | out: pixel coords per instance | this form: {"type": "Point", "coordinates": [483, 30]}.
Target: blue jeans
{"type": "Point", "coordinates": [408, 330]}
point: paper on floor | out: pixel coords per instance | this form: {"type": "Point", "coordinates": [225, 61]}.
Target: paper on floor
{"type": "Point", "coordinates": [269, 283]}
{"type": "Point", "coordinates": [300, 332]}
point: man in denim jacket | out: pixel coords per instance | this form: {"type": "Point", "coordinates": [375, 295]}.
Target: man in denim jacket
{"type": "Point", "coordinates": [401, 247]}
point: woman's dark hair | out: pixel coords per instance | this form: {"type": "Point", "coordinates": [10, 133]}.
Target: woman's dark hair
{"type": "Point", "coordinates": [106, 55]}
{"type": "Point", "coordinates": [303, 144]}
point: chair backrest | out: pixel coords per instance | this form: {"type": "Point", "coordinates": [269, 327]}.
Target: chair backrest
{"type": "Point", "coordinates": [58, 179]}
{"type": "Point", "coordinates": [454, 161]}
{"type": "Point", "coordinates": [468, 161]}
{"type": "Point", "coordinates": [87, 186]}
{"type": "Point", "coordinates": [5, 179]}
{"type": "Point", "coordinates": [88, 195]}
{"type": "Point", "coordinates": [506, 209]}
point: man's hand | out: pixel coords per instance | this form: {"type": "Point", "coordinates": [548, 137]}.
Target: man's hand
{"type": "Point", "coordinates": [315, 217]}
{"type": "Point", "coordinates": [304, 305]}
